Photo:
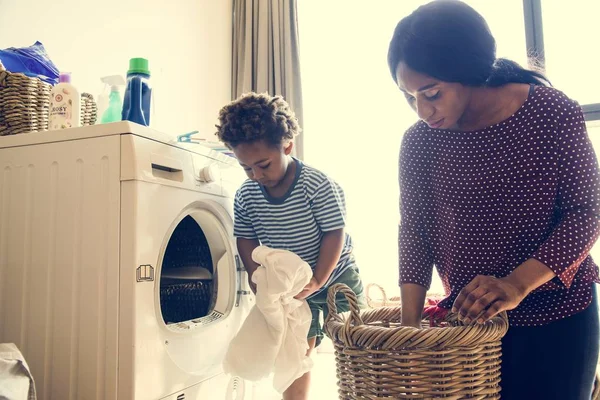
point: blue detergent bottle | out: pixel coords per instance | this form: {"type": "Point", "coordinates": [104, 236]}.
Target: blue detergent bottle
{"type": "Point", "coordinates": [138, 95]}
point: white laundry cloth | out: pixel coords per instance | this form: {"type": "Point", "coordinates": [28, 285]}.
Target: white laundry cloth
{"type": "Point", "coordinates": [16, 382]}
{"type": "Point", "coordinates": [273, 338]}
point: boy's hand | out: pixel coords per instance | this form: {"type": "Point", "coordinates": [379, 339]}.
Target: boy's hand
{"type": "Point", "coordinates": [309, 289]}
{"type": "Point", "coordinates": [251, 284]}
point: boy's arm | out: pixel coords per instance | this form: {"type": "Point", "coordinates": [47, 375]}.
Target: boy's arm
{"type": "Point", "coordinates": [245, 249]}
{"type": "Point", "coordinates": [329, 255]}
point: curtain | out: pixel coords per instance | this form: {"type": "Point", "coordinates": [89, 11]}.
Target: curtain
{"type": "Point", "coordinates": [266, 53]}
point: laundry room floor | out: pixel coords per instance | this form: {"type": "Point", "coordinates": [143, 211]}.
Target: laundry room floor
{"type": "Point", "coordinates": [324, 383]}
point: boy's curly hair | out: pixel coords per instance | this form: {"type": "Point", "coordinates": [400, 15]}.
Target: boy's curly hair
{"type": "Point", "coordinates": [255, 117]}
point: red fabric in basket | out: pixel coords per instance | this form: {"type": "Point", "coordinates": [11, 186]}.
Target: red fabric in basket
{"type": "Point", "coordinates": [433, 312]}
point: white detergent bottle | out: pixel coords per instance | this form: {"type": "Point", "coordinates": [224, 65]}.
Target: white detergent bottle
{"type": "Point", "coordinates": [65, 104]}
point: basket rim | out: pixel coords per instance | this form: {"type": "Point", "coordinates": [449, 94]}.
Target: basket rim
{"type": "Point", "coordinates": [497, 322]}
{"type": "Point", "coordinates": [355, 329]}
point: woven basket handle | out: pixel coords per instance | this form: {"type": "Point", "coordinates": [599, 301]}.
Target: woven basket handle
{"type": "Point", "coordinates": [384, 297]}
{"type": "Point", "coordinates": [355, 318]}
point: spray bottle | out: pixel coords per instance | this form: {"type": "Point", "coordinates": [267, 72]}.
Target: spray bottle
{"type": "Point", "coordinates": [115, 104]}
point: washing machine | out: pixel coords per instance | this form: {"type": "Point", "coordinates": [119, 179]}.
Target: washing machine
{"type": "Point", "coordinates": [119, 277]}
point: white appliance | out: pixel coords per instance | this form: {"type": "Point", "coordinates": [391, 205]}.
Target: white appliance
{"type": "Point", "coordinates": [119, 277]}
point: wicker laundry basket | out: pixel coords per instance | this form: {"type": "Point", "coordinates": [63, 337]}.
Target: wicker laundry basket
{"type": "Point", "coordinates": [382, 300]}
{"type": "Point", "coordinates": [376, 358]}
{"type": "Point", "coordinates": [394, 301]}
{"type": "Point", "coordinates": [24, 103]}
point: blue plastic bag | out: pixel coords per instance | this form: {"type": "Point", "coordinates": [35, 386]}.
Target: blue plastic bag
{"type": "Point", "coordinates": [32, 61]}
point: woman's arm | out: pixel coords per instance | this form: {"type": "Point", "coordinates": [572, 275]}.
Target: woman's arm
{"type": "Point", "coordinates": [500, 294]}
{"type": "Point", "coordinates": [415, 258]}
{"type": "Point", "coordinates": [413, 301]}
{"type": "Point", "coordinates": [559, 257]}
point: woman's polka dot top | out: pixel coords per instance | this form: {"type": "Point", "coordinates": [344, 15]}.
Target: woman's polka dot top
{"type": "Point", "coordinates": [482, 202]}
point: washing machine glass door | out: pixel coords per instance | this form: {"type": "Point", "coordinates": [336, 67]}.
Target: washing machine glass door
{"type": "Point", "coordinates": [200, 287]}
{"type": "Point", "coordinates": [199, 268]}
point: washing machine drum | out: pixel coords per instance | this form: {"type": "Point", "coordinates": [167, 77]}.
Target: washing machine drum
{"type": "Point", "coordinates": [185, 301]}
{"type": "Point", "coordinates": [188, 282]}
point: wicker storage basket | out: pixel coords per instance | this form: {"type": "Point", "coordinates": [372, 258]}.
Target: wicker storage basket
{"type": "Point", "coordinates": [383, 300]}
{"type": "Point", "coordinates": [24, 103]}
{"type": "Point", "coordinates": [376, 358]}
{"type": "Point", "coordinates": [89, 110]}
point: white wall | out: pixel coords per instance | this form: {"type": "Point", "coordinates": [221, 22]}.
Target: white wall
{"type": "Point", "coordinates": [188, 43]}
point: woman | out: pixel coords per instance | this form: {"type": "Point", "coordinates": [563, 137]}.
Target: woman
{"type": "Point", "coordinates": [500, 190]}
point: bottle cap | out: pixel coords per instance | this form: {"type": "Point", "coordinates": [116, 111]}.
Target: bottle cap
{"type": "Point", "coordinates": [138, 66]}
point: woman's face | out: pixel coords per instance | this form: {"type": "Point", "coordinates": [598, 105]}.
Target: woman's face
{"type": "Point", "coordinates": [439, 104]}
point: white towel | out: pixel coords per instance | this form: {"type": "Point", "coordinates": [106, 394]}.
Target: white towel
{"type": "Point", "coordinates": [16, 382]}
{"type": "Point", "coordinates": [273, 338]}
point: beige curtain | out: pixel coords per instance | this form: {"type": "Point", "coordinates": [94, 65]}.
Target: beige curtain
{"type": "Point", "coordinates": [266, 53]}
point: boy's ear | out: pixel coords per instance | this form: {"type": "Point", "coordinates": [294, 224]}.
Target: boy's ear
{"type": "Point", "coordinates": [287, 148]}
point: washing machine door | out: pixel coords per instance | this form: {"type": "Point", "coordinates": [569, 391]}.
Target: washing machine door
{"type": "Point", "coordinates": [201, 288]}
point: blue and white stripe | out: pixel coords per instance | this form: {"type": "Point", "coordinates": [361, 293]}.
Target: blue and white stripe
{"type": "Point", "coordinates": [296, 222]}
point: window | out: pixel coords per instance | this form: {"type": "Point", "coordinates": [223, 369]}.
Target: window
{"type": "Point", "coordinates": [561, 35]}
{"type": "Point", "coordinates": [355, 116]}
{"type": "Point", "coordinates": [571, 63]}
{"type": "Point", "coordinates": [506, 23]}
{"type": "Point", "coordinates": [593, 128]}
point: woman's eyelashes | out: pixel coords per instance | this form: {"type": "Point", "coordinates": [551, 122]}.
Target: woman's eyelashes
{"type": "Point", "coordinates": [432, 94]}
{"type": "Point", "coordinates": [429, 95]}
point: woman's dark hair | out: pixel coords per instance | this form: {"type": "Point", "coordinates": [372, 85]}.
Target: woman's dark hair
{"type": "Point", "coordinates": [450, 41]}
{"type": "Point", "coordinates": [253, 117]}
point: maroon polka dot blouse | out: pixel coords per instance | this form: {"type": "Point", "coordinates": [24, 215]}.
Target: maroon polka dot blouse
{"type": "Point", "coordinates": [482, 202]}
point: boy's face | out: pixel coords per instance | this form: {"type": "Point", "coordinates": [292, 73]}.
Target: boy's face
{"type": "Point", "coordinates": [264, 162]}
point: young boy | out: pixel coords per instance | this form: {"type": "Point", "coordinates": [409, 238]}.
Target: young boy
{"type": "Point", "coordinates": [286, 204]}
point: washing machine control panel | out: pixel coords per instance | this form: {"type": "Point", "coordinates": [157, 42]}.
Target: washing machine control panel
{"type": "Point", "coordinates": [208, 174]}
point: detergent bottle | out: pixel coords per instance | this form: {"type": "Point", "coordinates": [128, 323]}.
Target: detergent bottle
{"type": "Point", "coordinates": [138, 95]}
{"type": "Point", "coordinates": [65, 104]}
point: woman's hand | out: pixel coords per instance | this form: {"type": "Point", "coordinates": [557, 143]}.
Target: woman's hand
{"type": "Point", "coordinates": [309, 289]}
{"type": "Point", "coordinates": [489, 295]}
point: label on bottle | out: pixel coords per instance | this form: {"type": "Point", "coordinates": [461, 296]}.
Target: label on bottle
{"type": "Point", "coordinates": [61, 110]}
